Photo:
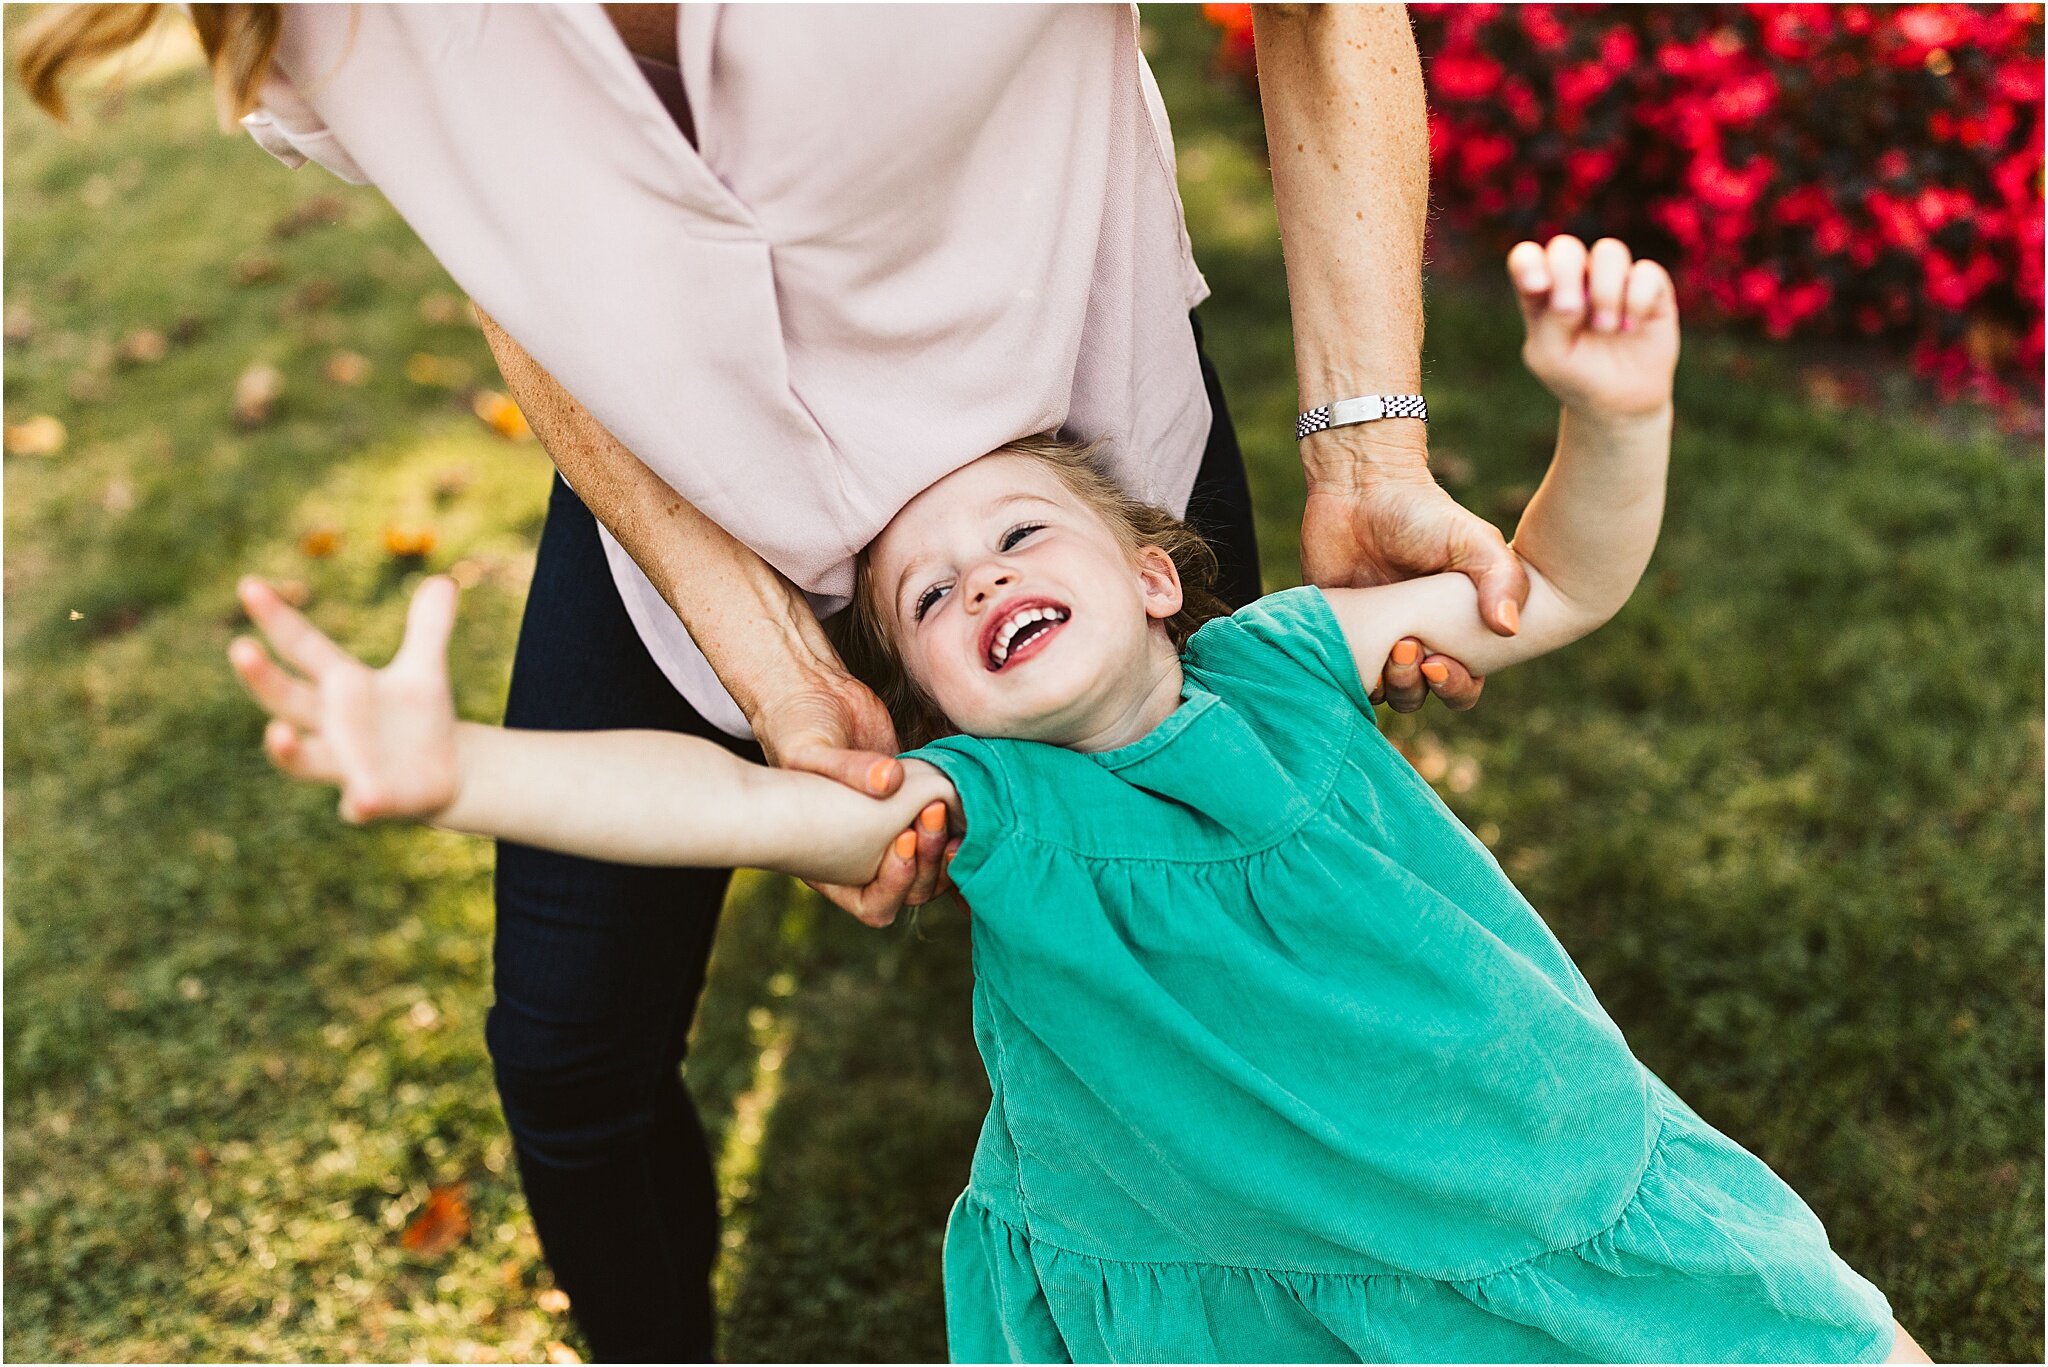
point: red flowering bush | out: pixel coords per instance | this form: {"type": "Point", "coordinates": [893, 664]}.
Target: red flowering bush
{"type": "Point", "coordinates": [1823, 170]}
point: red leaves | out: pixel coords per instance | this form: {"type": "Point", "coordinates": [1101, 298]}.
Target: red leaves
{"type": "Point", "coordinates": [443, 1222]}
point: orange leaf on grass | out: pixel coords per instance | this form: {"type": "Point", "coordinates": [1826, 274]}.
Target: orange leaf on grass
{"type": "Point", "coordinates": [443, 1222]}
{"type": "Point", "coordinates": [41, 435]}
{"type": "Point", "coordinates": [320, 543]}
{"type": "Point", "coordinates": [410, 543]}
{"type": "Point", "coordinates": [348, 367]}
{"type": "Point", "coordinates": [501, 415]}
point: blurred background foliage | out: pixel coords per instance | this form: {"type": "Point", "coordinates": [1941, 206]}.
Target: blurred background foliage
{"type": "Point", "coordinates": [1785, 810]}
{"type": "Point", "coordinates": [1826, 171]}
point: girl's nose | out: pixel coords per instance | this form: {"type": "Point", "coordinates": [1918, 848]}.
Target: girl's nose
{"type": "Point", "coordinates": [984, 582]}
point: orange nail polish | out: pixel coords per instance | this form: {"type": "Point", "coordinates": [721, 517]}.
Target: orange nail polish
{"type": "Point", "coordinates": [905, 846]}
{"type": "Point", "coordinates": [1405, 652]}
{"type": "Point", "coordinates": [933, 817]}
{"type": "Point", "coordinates": [879, 774]}
{"type": "Point", "coordinates": [1436, 671]}
{"type": "Point", "coordinates": [1511, 616]}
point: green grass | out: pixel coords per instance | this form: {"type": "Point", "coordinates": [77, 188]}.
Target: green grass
{"type": "Point", "coordinates": [1785, 810]}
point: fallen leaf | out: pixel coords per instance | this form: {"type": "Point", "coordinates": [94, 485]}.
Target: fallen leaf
{"type": "Point", "coordinates": [448, 372]}
{"type": "Point", "coordinates": [144, 346]}
{"type": "Point", "coordinates": [554, 1300]}
{"type": "Point", "coordinates": [441, 309]}
{"type": "Point", "coordinates": [452, 481]}
{"type": "Point", "coordinates": [89, 387]}
{"type": "Point", "coordinates": [410, 543]}
{"type": "Point", "coordinates": [348, 367]}
{"type": "Point", "coordinates": [443, 1222]}
{"type": "Point", "coordinates": [41, 435]}
{"type": "Point", "coordinates": [77, 616]}
{"type": "Point", "coordinates": [320, 543]}
{"type": "Point", "coordinates": [560, 1352]}
{"type": "Point", "coordinates": [314, 295]}
{"type": "Point", "coordinates": [319, 211]}
{"type": "Point", "coordinates": [255, 268]}
{"type": "Point", "coordinates": [256, 394]}
{"type": "Point", "coordinates": [501, 415]}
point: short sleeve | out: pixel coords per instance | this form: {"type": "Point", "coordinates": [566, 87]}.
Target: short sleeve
{"type": "Point", "coordinates": [977, 774]}
{"type": "Point", "coordinates": [1292, 633]}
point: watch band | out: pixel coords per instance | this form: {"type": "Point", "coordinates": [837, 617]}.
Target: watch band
{"type": "Point", "coordinates": [1371, 408]}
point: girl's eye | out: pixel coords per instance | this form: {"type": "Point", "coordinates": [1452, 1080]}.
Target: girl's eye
{"type": "Point", "coordinates": [1016, 534]}
{"type": "Point", "coordinates": [926, 599]}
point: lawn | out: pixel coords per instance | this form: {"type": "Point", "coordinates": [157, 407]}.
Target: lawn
{"type": "Point", "coordinates": [1785, 810]}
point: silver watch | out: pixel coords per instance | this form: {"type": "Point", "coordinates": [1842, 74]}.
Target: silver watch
{"type": "Point", "coordinates": [1371, 408]}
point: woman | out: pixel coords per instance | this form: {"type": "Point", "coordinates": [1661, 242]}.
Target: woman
{"type": "Point", "coordinates": [758, 275]}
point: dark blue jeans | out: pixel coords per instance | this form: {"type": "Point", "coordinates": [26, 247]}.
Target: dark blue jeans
{"type": "Point", "coordinates": [598, 967]}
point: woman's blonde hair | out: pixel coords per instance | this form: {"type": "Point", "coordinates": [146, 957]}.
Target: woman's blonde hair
{"type": "Point", "coordinates": [240, 42]}
{"type": "Point", "coordinates": [862, 635]}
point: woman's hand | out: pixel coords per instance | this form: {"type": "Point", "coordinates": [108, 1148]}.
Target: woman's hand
{"type": "Point", "coordinates": [1396, 524]}
{"type": "Point", "coordinates": [831, 724]}
{"type": "Point", "coordinates": [385, 737]}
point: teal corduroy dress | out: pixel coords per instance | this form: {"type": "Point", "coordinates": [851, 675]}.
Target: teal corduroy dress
{"type": "Point", "coordinates": [1285, 1069]}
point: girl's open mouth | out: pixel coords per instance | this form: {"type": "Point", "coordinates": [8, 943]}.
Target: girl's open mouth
{"type": "Point", "coordinates": [1021, 632]}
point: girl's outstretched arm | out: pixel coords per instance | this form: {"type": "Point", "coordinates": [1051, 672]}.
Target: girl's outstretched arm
{"type": "Point", "coordinates": [655, 797]}
{"type": "Point", "coordinates": [1602, 337]}
{"type": "Point", "coordinates": [389, 740]}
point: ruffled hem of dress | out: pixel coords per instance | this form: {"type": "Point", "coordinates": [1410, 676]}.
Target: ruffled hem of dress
{"type": "Point", "coordinates": [1714, 1259]}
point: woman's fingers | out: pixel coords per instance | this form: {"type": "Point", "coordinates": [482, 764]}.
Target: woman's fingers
{"type": "Point", "coordinates": [864, 771]}
{"type": "Point", "coordinates": [281, 694]}
{"type": "Point", "coordinates": [1401, 682]}
{"type": "Point", "coordinates": [1606, 278]}
{"type": "Point", "coordinates": [296, 639]}
{"type": "Point", "coordinates": [930, 834]}
{"type": "Point", "coordinates": [1452, 682]}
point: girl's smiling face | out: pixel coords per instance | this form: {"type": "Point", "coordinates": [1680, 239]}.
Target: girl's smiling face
{"type": "Point", "coordinates": [1016, 608]}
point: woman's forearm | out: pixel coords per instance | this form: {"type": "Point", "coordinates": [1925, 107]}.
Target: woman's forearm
{"type": "Point", "coordinates": [753, 625]}
{"type": "Point", "coordinates": [1347, 132]}
{"type": "Point", "coordinates": [658, 798]}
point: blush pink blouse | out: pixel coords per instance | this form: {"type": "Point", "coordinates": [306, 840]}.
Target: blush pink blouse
{"type": "Point", "coordinates": [903, 236]}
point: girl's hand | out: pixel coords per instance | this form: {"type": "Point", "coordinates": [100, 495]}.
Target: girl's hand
{"type": "Point", "coordinates": [385, 737]}
{"type": "Point", "coordinates": [1603, 328]}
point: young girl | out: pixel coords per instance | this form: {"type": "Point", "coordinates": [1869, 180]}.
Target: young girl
{"type": "Point", "coordinates": [1284, 1068]}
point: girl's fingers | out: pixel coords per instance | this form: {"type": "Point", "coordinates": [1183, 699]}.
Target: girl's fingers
{"type": "Point", "coordinates": [1649, 292]}
{"type": "Point", "coordinates": [281, 694]}
{"type": "Point", "coordinates": [428, 623]}
{"type": "Point", "coordinates": [1401, 682]}
{"type": "Point", "coordinates": [297, 640]}
{"type": "Point", "coordinates": [1530, 270]}
{"type": "Point", "coordinates": [304, 757]}
{"type": "Point", "coordinates": [1606, 278]}
{"type": "Point", "coordinates": [1567, 259]}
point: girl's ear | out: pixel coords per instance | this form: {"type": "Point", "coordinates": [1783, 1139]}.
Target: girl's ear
{"type": "Point", "coordinates": [1160, 578]}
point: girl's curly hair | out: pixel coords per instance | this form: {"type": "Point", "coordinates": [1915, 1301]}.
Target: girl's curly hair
{"type": "Point", "coordinates": [862, 637]}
